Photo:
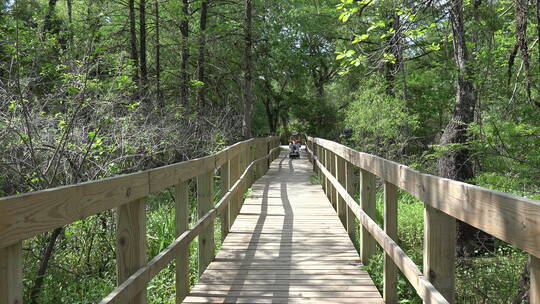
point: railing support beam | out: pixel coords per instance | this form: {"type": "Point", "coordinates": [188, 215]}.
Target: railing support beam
{"type": "Point", "coordinates": [341, 176]}
{"type": "Point", "coordinates": [391, 228]}
{"type": "Point", "coordinates": [440, 251]}
{"type": "Point", "coordinates": [205, 201]}
{"type": "Point", "coordinates": [534, 296]}
{"type": "Point", "coordinates": [367, 203]}
{"type": "Point", "coordinates": [131, 244]}
{"type": "Point", "coordinates": [11, 281]}
{"type": "Point", "coordinates": [182, 224]}
{"type": "Point", "coordinates": [225, 186]}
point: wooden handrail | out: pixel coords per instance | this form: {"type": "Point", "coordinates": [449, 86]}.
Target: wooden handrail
{"type": "Point", "coordinates": [27, 215]}
{"type": "Point", "coordinates": [510, 218]}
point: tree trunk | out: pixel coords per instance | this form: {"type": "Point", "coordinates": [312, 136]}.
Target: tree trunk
{"type": "Point", "coordinates": [70, 22]}
{"type": "Point", "coordinates": [392, 68]}
{"type": "Point", "coordinates": [43, 265]}
{"type": "Point", "coordinates": [142, 53]}
{"type": "Point", "coordinates": [248, 95]}
{"type": "Point", "coordinates": [201, 96]}
{"type": "Point", "coordinates": [48, 22]}
{"type": "Point", "coordinates": [538, 28]}
{"type": "Point", "coordinates": [158, 57]}
{"type": "Point", "coordinates": [455, 164]}
{"type": "Point", "coordinates": [184, 29]}
{"type": "Point", "coordinates": [521, 33]}
{"type": "Point", "coordinates": [133, 41]}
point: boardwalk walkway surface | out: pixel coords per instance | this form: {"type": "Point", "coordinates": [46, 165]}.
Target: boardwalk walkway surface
{"type": "Point", "coordinates": [286, 246]}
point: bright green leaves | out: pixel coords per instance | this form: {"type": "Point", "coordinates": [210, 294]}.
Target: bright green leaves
{"type": "Point", "coordinates": [389, 58]}
{"type": "Point", "coordinates": [345, 54]}
{"type": "Point", "coordinates": [359, 38]}
{"type": "Point", "coordinates": [434, 46]}
{"type": "Point", "coordinates": [349, 58]}
{"type": "Point", "coordinates": [349, 8]}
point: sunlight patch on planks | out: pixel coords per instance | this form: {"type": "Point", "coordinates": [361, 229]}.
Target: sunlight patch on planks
{"type": "Point", "coordinates": [286, 246]}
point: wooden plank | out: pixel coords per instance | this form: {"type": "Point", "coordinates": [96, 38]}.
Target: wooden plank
{"type": "Point", "coordinates": [534, 292]}
{"type": "Point", "coordinates": [341, 177]}
{"type": "Point", "coordinates": [205, 195]}
{"type": "Point", "coordinates": [27, 215]}
{"type": "Point", "coordinates": [163, 177]}
{"type": "Point", "coordinates": [225, 185]}
{"type": "Point", "coordinates": [131, 245]}
{"type": "Point", "coordinates": [323, 178]}
{"type": "Point", "coordinates": [367, 203]}
{"type": "Point", "coordinates": [439, 251]}
{"type": "Point", "coordinates": [349, 185]}
{"type": "Point", "coordinates": [182, 224]}
{"type": "Point", "coordinates": [332, 169]}
{"type": "Point", "coordinates": [11, 277]}
{"type": "Point", "coordinates": [277, 300]}
{"type": "Point", "coordinates": [513, 219]}
{"type": "Point", "coordinates": [235, 200]}
{"type": "Point", "coordinates": [293, 287]}
{"type": "Point", "coordinates": [390, 274]}
{"type": "Point", "coordinates": [283, 241]}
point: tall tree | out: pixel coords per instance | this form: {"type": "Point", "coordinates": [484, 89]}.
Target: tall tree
{"type": "Point", "coordinates": [142, 38]}
{"type": "Point", "coordinates": [248, 67]}
{"type": "Point", "coordinates": [456, 163]}
{"type": "Point", "coordinates": [201, 96]}
{"type": "Point", "coordinates": [184, 29]}
{"type": "Point", "coordinates": [133, 41]}
{"type": "Point", "coordinates": [159, 94]}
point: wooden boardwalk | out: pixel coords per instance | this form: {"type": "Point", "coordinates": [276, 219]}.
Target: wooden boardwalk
{"type": "Point", "coordinates": [286, 246]}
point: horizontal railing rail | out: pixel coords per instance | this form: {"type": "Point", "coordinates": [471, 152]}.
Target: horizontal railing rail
{"type": "Point", "coordinates": [27, 215]}
{"type": "Point", "coordinates": [513, 219]}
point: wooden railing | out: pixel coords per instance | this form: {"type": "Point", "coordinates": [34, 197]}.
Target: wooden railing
{"type": "Point", "coordinates": [27, 215]}
{"type": "Point", "coordinates": [513, 219]}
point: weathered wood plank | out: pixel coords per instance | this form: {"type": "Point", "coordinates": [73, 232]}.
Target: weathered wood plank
{"type": "Point", "coordinates": [182, 224]}
{"type": "Point", "coordinates": [534, 292]}
{"type": "Point", "coordinates": [163, 177]}
{"type": "Point", "coordinates": [390, 294]}
{"type": "Point", "coordinates": [367, 203]}
{"type": "Point", "coordinates": [225, 186]}
{"type": "Point", "coordinates": [205, 195]}
{"type": "Point", "coordinates": [350, 179]}
{"type": "Point", "coordinates": [131, 245]}
{"type": "Point", "coordinates": [11, 278]}
{"type": "Point", "coordinates": [27, 215]}
{"type": "Point", "coordinates": [439, 251]}
{"type": "Point", "coordinates": [342, 178]}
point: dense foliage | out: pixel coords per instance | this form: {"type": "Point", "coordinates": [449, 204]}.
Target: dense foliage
{"type": "Point", "coordinates": [95, 88]}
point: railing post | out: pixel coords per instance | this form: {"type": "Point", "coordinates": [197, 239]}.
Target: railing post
{"type": "Point", "coordinates": [11, 279]}
{"type": "Point", "coordinates": [349, 185]}
{"type": "Point", "coordinates": [534, 296]}
{"type": "Point", "coordinates": [341, 177]}
{"type": "Point", "coordinates": [440, 251]}
{"type": "Point", "coordinates": [325, 164]}
{"type": "Point", "coordinates": [182, 224]}
{"type": "Point", "coordinates": [367, 203]}
{"type": "Point", "coordinates": [235, 198]}
{"type": "Point", "coordinates": [332, 168]}
{"type": "Point", "coordinates": [315, 149]}
{"type": "Point", "coordinates": [225, 186]}
{"type": "Point", "coordinates": [206, 237]}
{"type": "Point", "coordinates": [390, 227]}
{"type": "Point", "coordinates": [131, 244]}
